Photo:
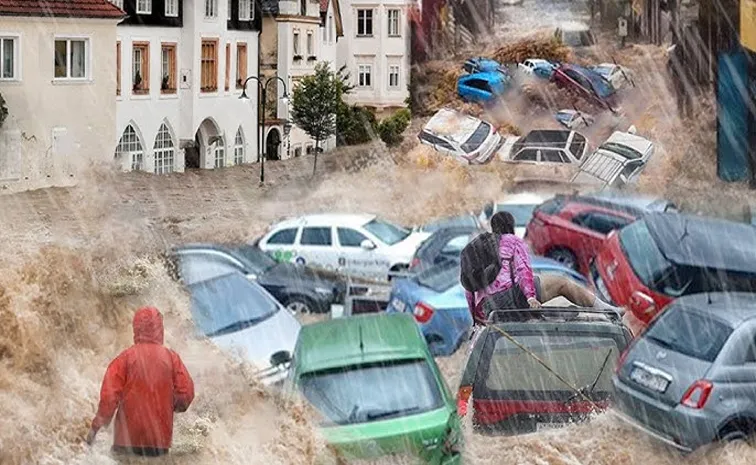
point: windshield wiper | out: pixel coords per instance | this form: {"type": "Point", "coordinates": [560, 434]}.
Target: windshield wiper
{"type": "Point", "coordinates": [238, 326]}
{"type": "Point", "coordinates": [582, 391]}
{"type": "Point", "coordinates": [389, 413]}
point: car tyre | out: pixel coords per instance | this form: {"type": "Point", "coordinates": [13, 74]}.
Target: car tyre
{"type": "Point", "coordinates": [564, 256]}
{"type": "Point", "coordinates": [737, 432]}
{"type": "Point", "coordinates": [299, 305]}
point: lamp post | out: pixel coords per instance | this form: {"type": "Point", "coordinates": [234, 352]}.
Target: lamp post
{"type": "Point", "coordinates": [262, 90]}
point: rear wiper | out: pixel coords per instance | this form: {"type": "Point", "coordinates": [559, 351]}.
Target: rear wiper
{"type": "Point", "coordinates": [389, 413]}
{"type": "Point", "coordinates": [238, 326]}
{"type": "Point", "coordinates": [591, 386]}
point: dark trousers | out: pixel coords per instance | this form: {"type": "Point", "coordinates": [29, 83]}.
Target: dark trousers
{"type": "Point", "coordinates": [140, 451]}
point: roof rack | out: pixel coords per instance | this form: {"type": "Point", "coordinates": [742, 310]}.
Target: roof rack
{"type": "Point", "coordinates": [527, 314]}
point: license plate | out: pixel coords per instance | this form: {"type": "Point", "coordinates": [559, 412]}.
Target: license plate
{"type": "Point", "coordinates": [398, 305]}
{"type": "Point", "coordinates": [649, 380]}
{"type": "Point", "coordinates": [547, 426]}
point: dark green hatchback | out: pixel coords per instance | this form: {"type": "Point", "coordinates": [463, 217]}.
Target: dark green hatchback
{"type": "Point", "coordinates": [378, 388]}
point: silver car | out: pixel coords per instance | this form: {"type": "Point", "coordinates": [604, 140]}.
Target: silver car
{"type": "Point", "coordinates": [690, 379]}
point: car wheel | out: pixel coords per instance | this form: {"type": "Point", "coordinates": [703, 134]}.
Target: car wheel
{"type": "Point", "coordinates": [738, 431]}
{"type": "Point", "coordinates": [300, 305]}
{"type": "Point", "coordinates": [564, 256]}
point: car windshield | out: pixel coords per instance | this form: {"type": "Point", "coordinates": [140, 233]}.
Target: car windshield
{"type": "Point", "coordinates": [689, 333]}
{"type": "Point", "coordinates": [577, 359]}
{"type": "Point", "coordinates": [645, 258]}
{"type": "Point", "coordinates": [256, 258]}
{"type": "Point", "coordinates": [621, 150]}
{"type": "Point", "coordinates": [604, 70]}
{"type": "Point", "coordinates": [386, 232]}
{"type": "Point", "coordinates": [439, 278]}
{"type": "Point", "coordinates": [456, 221]}
{"type": "Point", "coordinates": [372, 392]}
{"type": "Point", "coordinates": [602, 87]}
{"type": "Point", "coordinates": [228, 304]}
{"type": "Point", "coordinates": [477, 138]}
{"type": "Point", "coordinates": [521, 213]}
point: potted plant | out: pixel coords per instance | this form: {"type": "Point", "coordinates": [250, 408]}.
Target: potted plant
{"type": "Point", "coordinates": [137, 81]}
{"type": "Point", "coordinates": [165, 83]}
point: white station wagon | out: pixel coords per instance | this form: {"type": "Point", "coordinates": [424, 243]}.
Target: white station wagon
{"type": "Point", "coordinates": [361, 245]}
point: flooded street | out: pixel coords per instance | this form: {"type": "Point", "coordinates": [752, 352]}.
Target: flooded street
{"type": "Point", "coordinates": [78, 261]}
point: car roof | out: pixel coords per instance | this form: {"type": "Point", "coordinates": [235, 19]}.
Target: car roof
{"type": "Point", "coordinates": [547, 137]}
{"type": "Point", "coordinates": [638, 143]}
{"type": "Point", "coordinates": [561, 315]}
{"type": "Point", "coordinates": [327, 219]}
{"type": "Point", "coordinates": [524, 198]}
{"type": "Point", "coordinates": [704, 242]}
{"type": "Point", "coordinates": [644, 202]}
{"type": "Point", "coordinates": [601, 165]}
{"type": "Point", "coordinates": [485, 75]}
{"type": "Point", "coordinates": [336, 343]}
{"type": "Point", "coordinates": [731, 307]}
{"type": "Point", "coordinates": [453, 124]}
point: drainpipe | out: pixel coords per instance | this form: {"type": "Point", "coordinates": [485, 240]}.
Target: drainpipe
{"type": "Point", "coordinates": [260, 118]}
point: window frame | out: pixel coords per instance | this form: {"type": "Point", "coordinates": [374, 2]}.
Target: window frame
{"type": "Point", "coordinates": [220, 149]}
{"type": "Point", "coordinates": [69, 39]}
{"type": "Point", "coordinates": [171, 12]}
{"type": "Point", "coordinates": [368, 74]}
{"type": "Point", "coordinates": [560, 154]}
{"type": "Point", "coordinates": [295, 46]}
{"type": "Point", "coordinates": [515, 158]}
{"type": "Point", "coordinates": [244, 13]}
{"type": "Point", "coordinates": [397, 32]}
{"type": "Point", "coordinates": [296, 230]}
{"type": "Point", "coordinates": [172, 49]}
{"type": "Point", "coordinates": [215, 42]}
{"type": "Point", "coordinates": [119, 59]}
{"type": "Point", "coordinates": [241, 77]}
{"type": "Point", "coordinates": [147, 11]}
{"type": "Point", "coordinates": [227, 77]}
{"type": "Point", "coordinates": [211, 9]}
{"type": "Point", "coordinates": [363, 23]}
{"type": "Point", "coordinates": [392, 73]}
{"type": "Point", "coordinates": [239, 147]}
{"type": "Point", "coordinates": [344, 228]}
{"type": "Point", "coordinates": [330, 236]}
{"type": "Point", "coordinates": [144, 49]}
{"type": "Point", "coordinates": [136, 156]}
{"type": "Point", "coordinates": [164, 150]}
{"type": "Point", "coordinates": [310, 45]}
{"type": "Point", "coordinates": [297, 150]}
{"type": "Point", "coordinates": [16, 57]}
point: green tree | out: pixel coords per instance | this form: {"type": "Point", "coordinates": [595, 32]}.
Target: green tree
{"type": "Point", "coordinates": [390, 129]}
{"type": "Point", "coordinates": [314, 104]}
{"type": "Point", "coordinates": [3, 110]}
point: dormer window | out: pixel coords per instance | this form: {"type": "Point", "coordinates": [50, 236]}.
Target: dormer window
{"type": "Point", "coordinates": [144, 7]}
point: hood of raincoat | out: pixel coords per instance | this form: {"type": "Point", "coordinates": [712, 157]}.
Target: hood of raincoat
{"type": "Point", "coordinates": [148, 326]}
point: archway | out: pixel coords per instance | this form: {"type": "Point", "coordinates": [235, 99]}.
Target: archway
{"type": "Point", "coordinates": [272, 145]}
{"type": "Point", "coordinates": [207, 138]}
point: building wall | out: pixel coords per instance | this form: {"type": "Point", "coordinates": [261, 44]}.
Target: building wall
{"type": "Point", "coordinates": [56, 129]}
{"type": "Point", "coordinates": [379, 52]}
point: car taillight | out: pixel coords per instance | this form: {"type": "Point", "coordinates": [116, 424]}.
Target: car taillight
{"type": "Point", "coordinates": [423, 312]}
{"type": "Point", "coordinates": [463, 396]}
{"type": "Point", "coordinates": [697, 394]}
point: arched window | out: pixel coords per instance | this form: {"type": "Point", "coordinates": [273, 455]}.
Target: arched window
{"type": "Point", "coordinates": [239, 147]}
{"type": "Point", "coordinates": [164, 151]}
{"type": "Point", "coordinates": [220, 153]}
{"type": "Point", "coordinates": [130, 146]}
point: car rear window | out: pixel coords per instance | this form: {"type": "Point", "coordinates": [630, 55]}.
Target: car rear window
{"type": "Point", "coordinates": [577, 146]}
{"type": "Point", "coordinates": [439, 278]}
{"type": "Point", "coordinates": [372, 392]}
{"type": "Point", "coordinates": [689, 333]}
{"type": "Point", "coordinates": [577, 359]}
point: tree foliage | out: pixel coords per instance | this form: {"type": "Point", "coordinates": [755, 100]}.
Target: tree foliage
{"type": "Point", "coordinates": [314, 103]}
{"type": "Point", "coordinates": [390, 129]}
{"type": "Point", "coordinates": [3, 110]}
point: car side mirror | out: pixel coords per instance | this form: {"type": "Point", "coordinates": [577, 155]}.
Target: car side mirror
{"type": "Point", "coordinates": [641, 303]}
{"type": "Point", "coordinates": [367, 244]}
{"type": "Point", "coordinates": [281, 357]}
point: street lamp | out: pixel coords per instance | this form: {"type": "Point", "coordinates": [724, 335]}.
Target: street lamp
{"type": "Point", "coordinates": [262, 90]}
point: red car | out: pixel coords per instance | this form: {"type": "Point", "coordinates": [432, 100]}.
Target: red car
{"type": "Point", "coordinates": [663, 256]}
{"type": "Point", "coordinates": [587, 83]}
{"type": "Point", "coordinates": [572, 229]}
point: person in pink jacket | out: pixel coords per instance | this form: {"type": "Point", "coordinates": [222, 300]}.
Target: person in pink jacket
{"type": "Point", "coordinates": [536, 288]}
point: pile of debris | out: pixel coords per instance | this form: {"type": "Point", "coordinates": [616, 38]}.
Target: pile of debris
{"type": "Point", "coordinates": [548, 49]}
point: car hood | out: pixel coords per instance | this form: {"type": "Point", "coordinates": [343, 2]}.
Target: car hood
{"type": "Point", "coordinates": [257, 343]}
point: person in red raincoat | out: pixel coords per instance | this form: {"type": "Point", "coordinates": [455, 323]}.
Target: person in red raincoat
{"type": "Point", "coordinates": [146, 383]}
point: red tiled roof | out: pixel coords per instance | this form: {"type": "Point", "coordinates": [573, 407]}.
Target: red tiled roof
{"type": "Point", "coordinates": [61, 8]}
{"type": "Point", "coordinates": [323, 5]}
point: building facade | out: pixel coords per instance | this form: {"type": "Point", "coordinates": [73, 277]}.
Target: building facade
{"type": "Point", "coordinates": [55, 76]}
{"type": "Point", "coordinates": [377, 52]}
{"type": "Point", "coordinates": [180, 67]}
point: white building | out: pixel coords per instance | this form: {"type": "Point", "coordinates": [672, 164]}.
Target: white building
{"type": "Point", "coordinates": [292, 44]}
{"type": "Point", "coordinates": [376, 50]}
{"type": "Point", "coordinates": [180, 68]}
{"type": "Point", "coordinates": [56, 77]}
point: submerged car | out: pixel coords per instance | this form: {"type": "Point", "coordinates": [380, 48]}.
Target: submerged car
{"type": "Point", "coordinates": [537, 67]}
{"type": "Point", "coordinates": [616, 163]}
{"type": "Point", "coordinates": [616, 74]}
{"type": "Point", "coordinates": [587, 83]}
{"type": "Point", "coordinates": [688, 380]}
{"type": "Point", "coordinates": [512, 393]}
{"type": "Point", "coordinates": [242, 318]}
{"type": "Point", "coordinates": [573, 119]}
{"type": "Point", "coordinates": [575, 34]}
{"type": "Point", "coordinates": [378, 389]}
{"type": "Point", "coordinates": [438, 301]}
{"type": "Point", "coordinates": [461, 136]}
{"type": "Point", "coordinates": [545, 146]}
{"type": "Point", "coordinates": [483, 65]}
{"type": "Point", "coordinates": [483, 87]}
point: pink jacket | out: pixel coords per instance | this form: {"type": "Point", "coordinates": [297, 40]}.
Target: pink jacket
{"type": "Point", "coordinates": [509, 246]}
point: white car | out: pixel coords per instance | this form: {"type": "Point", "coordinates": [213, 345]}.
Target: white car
{"type": "Point", "coordinates": [537, 66]}
{"type": "Point", "coordinates": [573, 119]}
{"type": "Point", "coordinates": [545, 146]}
{"type": "Point", "coordinates": [465, 138]}
{"type": "Point", "coordinates": [520, 205]}
{"type": "Point", "coordinates": [616, 74]}
{"type": "Point", "coordinates": [617, 162]}
{"type": "Point", "coordinates": [361, 245]}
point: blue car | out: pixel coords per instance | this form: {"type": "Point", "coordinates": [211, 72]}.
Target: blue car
{"type": "Point", "coordinates": [482, 87]}
{"type": "Point", "coordinates": [482, 65]}
{"type": "Point", "coordinates": [438, 301]}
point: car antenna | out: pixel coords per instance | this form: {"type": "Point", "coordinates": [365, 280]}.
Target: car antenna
{"type": "Point", "coordinates": [362, 346]}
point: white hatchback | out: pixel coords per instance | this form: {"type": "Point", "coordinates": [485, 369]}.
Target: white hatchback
{"type": "Point", "coordinates": [465, 138]}
{"type": "Point", "coordinates": [361, 245]}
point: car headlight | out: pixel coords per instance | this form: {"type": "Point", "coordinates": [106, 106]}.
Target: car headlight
{"type": "Point", "coordinates": [323, 290]}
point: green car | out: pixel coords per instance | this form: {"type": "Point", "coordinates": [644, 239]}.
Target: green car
{"type": "Point", "coordinates": [378, 388]}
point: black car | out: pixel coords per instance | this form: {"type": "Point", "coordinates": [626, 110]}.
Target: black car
{"type": "Point", "coordinates": [297, 287]}
{"type": "Point", "coordinates": [443, 245]}
{"type": "Point", "coordinates": [580, 346]}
